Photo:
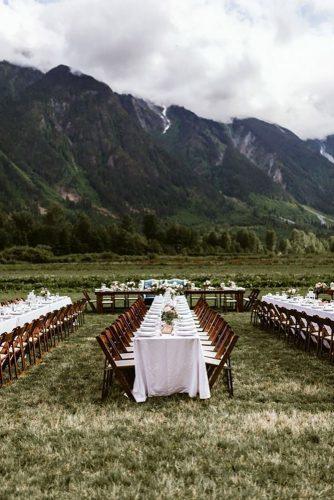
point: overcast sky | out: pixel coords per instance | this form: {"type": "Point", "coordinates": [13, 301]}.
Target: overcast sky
{"type": "Point", "coordinates": [272, 59]}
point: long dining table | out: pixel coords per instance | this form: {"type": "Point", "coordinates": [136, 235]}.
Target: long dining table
{"type": "Point", "coordinates": [237, 293]}
{"type": "Point", "coordinates": [14, 319]}
{"type": "Point", "coordinates": [171, 363]}
{"type": "Point", "coordinates": [191, 295]}
{"type": "Point", "coordinates": [311, 307]}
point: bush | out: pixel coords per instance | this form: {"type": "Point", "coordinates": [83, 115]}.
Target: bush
{"type": "Point", "coordinates": [36, 255]}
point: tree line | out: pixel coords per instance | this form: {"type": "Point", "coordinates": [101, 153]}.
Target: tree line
{"type": "Point", "coordinates": [63, 235]}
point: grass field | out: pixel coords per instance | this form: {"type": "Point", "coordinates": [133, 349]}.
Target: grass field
{"type": "Point", "coordinates": [248, 270]}
{"type": "Point", "coordinates": [274, 439]}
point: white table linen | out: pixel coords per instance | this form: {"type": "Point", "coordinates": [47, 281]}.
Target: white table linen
{"type": "Point", "coordinates": [169, 364]}
{"type": "Point", "coordinates": [306, 307]}
{"type": "Point", "coordinates": [8, 325]}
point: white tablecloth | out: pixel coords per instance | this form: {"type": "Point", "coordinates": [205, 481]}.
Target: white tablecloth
{"type": "Point", "coordinates": [167, 365]}
{"type": "Point", "coordinates": [311, 310]}
{"type": "Point", "coordinates": [9, 324]}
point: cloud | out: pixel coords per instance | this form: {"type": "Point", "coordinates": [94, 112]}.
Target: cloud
{"type": "Point", "coordinates": [219, 58]}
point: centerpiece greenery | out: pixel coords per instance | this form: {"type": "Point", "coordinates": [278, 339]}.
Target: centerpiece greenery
{"type": "Point", "coordinates": [169, 316]}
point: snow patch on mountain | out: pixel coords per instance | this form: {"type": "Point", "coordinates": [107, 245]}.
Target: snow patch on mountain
{"type": "Point", "coordinates": [165, 119]}
{"type": "Point", "coordinates": [324, 153]}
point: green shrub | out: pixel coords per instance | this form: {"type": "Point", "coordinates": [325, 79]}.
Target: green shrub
{"type": "Point", "coordinates": [38, 255]}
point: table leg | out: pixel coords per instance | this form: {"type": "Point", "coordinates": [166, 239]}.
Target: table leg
{"type": "Point", "coordinates": [99, 303]}
{"type": "Point", "coordinates": [240, 301]}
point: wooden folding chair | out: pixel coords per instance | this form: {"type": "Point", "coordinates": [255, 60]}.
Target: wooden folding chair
{"type": "Point", "coordinates": [13, 353]}
{"type": "Point", "coordinates": [92, 303]}
{"type": "Point", "coordinates": [119, 369]}
{"type": "Point", "coordinates": [221, 361]}
{"type": "Point", "coordinates": [251, 299]}
{"type": "Point", "coordinates": [4, 357]}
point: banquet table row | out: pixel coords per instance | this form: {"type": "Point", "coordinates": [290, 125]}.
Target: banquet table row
{"type": "Point", "coordinates": [14, 319]}
{"type": "Point", "coordinates": [311, 307]}
{"type": "Point", "coordinates": [169, 363]}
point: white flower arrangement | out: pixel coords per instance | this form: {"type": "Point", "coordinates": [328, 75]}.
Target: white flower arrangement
{"type": "Point", "coordinates": [291, 291]}
{"type": "Point", "coordinates": [320, 286]}
{"type": "Point", "coordinates": [131, 284]}
{"type": "Point", "coordinates": [44, 292]}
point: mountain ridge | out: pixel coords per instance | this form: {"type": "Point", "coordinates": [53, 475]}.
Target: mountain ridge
{"type": "Point", "coordinates": [87, 147]}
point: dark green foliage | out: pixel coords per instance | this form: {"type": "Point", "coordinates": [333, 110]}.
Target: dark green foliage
{"type": "Point", "coordinates": [37, 255]}
{"type": "Point", "coordinates": [270, 240]}
{"type": "Point", "coordinates": [331, 244]}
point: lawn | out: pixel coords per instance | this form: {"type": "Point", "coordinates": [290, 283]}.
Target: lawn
{"type": "Point", "coordinates": [274, 439]}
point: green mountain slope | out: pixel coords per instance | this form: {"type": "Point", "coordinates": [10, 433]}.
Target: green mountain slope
{"type": "Point", "coordinates": [68, 138]}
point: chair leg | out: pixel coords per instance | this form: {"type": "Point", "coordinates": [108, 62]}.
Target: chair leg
{"type": "Point", "coordinates": [15, 364]}
{"type": "Point", "coordinates": [229, 377]}
{"type": "Point", "coordinates": [107, 380]}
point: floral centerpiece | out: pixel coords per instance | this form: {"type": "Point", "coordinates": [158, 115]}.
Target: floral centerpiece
{"type": "Point", "coordinates": [291, 292]}
{"type": "Point", "coordinates": [191, 286]}
{"type": "Point", "coordinates": [44, 293]}
{"type": "Point", "coordinates": [207, 285]}
{"type": "Point", "coordinates": [169, 315]}
{"type": "Point", "coordinates": [320, 286]}
{"type": "Point", "coordinates": [117, 286]}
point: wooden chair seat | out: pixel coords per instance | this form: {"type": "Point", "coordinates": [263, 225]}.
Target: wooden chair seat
{"type": "Point", "coordinates": [16, 349]}
{"type": "Point", "coordinates": [208, 348]}
{"type": "Point", "coordinates": [212, 361]}
{"type": "Point", "coordinates": [125, 363]}
{"type": "Point", "coordinates": [210, 354]}
{"type": "Point", "coordinates": [127, 355]}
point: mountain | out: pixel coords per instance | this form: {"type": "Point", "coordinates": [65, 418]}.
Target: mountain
{"type": "Point", "coordinates": [325, 147]}
{"type": "Point", "coordinates": [67, 138]}
{"type": "Point", "coordinates": [302, 172]}
{"type": "Point", "coordinates": [71, 134]}
{"type": "Point", "coordinates": [14, 79]}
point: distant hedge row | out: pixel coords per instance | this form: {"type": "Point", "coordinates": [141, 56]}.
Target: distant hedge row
{"type": "Point", "coordinates": [93, 281]}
